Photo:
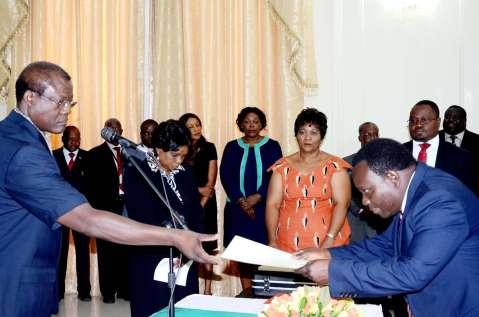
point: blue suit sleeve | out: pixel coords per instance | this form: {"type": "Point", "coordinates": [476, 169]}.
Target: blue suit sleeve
{"type": "Point", "coordinates": [34, 181]}
{"type": "Point", "coordinates": [439, 227]}
{"type": "Point", "coordinates": [229, 173]}
{"type": "Point", "coordinates": [378, 247]}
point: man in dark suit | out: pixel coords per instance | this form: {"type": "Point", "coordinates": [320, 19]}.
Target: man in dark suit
{"type": "Point", "coordinates": [72, 163]}
{"type": "Point", "coordinates": [105, 191]}
{"type": "Point", "coordinates": [35, 200]}
{"type": "Point", "coordinates": [429, 253]}
{"type": "Point", "coordinates": [364, 224]}
{"type": "Point", "coordinates": [427, 147]}
{"type": "Point", "coordinates": [455, 132]}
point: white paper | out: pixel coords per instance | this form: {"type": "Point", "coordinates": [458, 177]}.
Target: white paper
{"type": "Point", "coordinates": [163, 268]}
{"type": "Point", "coordinates": [217, 303]}
{"type": "Point", "coordinates": [247, 251]}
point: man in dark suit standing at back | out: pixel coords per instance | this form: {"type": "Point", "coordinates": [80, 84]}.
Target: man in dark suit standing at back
{"type": "Point", "coordinates": [455, 131]}
{"type": "Point", "coordinates": [105, 175]}
{"type": "Point", "coordinates": [72, 163]}
{"type": "Point", "coordinates": [427, 147]}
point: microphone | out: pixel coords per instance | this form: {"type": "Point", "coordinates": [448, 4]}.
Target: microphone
{"type": "Point", "coordinates": [110, 135]}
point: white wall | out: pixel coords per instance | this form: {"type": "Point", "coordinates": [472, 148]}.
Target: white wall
{"type": "Point", "coordinates": [376, 59]}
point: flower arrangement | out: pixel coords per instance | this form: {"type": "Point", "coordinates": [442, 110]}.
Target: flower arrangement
{"type": "Point", "coordinates": [309, 301]}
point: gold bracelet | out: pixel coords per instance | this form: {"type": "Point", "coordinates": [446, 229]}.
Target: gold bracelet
{"type": "Point", "coordinates": [330, 235]}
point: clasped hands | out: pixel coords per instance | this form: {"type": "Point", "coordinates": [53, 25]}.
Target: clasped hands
{"type": "Point", "coordinates": [317, 267]}
{"type": "Point", "coordinates": [247, 204]}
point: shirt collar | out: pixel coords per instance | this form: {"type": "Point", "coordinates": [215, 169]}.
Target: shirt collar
{"type": "Point", "coordinates": [459, 137]}
{"type": "Point", "coordinates": [66, 152]}
{"type": "Point", "coordinates": [434, 142]}
{"type": "Point", "coordinates": [43, 134]}
{"type": "Point", "coordinates": [403, 203]}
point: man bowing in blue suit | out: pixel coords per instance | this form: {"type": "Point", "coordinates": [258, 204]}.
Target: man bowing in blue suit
{"type": "Point", "coordinates": [429, 253]}
{"type": "Point", "coordinates": [35, 200]}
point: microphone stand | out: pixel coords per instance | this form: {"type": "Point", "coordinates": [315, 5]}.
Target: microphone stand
{"type": "Point", "coordinates": [177, 220]}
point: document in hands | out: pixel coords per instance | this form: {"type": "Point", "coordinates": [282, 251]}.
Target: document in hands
{"type": "Point", "coordinates": [163, 268]}
{"type": "Point", "coordinates": [247, 251]}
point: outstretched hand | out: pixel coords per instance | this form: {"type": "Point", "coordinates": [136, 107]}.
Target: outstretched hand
{"type": "Point", "coordinates": [311, 254]}
{"type": "Point", "coordinates": [316, 271]}
{"type": "Point", "coordinates": [189, 243]}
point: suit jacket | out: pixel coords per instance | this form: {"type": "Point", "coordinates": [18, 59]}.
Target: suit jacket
{"type": "Point", "coordinates": [102, 179]}
{"type": "Point", "coordinates": [431, 255]}
{"type": "Point", "coordinates": [470, 141]}
{"type": "Point", "coordinates": [455, 161]}
{"type": "Point", "coordinates": [33, 195]}
{"type": "Point", "coordinates": [77, 176]}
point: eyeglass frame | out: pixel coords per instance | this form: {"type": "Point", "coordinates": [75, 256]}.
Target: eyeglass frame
{"type": "Point", "coordinates": [422, 121]}
{"type": "Point", "coordinates": [60, 104]}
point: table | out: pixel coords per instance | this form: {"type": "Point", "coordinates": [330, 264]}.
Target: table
{"type": "Point", "coordinates": [215, 306]}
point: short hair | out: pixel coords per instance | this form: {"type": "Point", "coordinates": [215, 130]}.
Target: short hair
{"type": "Point", "coordinates": [431, 104]}
{"type": "Point", "coordinates": [170, 135]}
{"type": "Point", "coordinates": [311, 116]}
{"type": "Point", "coordinates": [460, 110]}
{"type": "Point", "coordinates": [187, 116]}
{"type": "Point", "coordinates": [366, 124]}
{"type": "Point", "coordinates": [147, 123]}
{"type": "Point", "coordinates": [383, 155]}
{"type": "Point", "coordinates": [66, 133]}
{"type": "Point", "coordinates": [109, 122]}
{"type": "Point", "coordinates": [247, 110]}
{"type": "Point", "coordinates": [38, 76]}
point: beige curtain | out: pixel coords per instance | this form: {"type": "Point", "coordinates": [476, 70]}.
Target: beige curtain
{"type": "Point", "coordinates": [215, 57]}
{"type": "Point", "coordinates": [100, 43]}
{"type": "Point", "coordinates": [211, 57]}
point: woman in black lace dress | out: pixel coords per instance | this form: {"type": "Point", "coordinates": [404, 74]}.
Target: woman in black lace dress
{"type": "Point", "coordinates": [171, 141]}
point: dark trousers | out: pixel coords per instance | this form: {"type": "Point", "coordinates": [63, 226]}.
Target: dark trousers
{"type": "Point", "coordinates": [82, 250]}
{"type": "Point", "coordinates": [112, 269]}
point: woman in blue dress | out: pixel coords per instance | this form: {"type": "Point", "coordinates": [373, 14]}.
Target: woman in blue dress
{"type": "Point", "coordinates": [245, 178]}
{"type": "Point", "coordinates": [171, 141]}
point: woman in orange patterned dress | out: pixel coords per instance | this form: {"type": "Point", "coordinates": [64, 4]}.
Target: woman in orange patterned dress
{"type": "Point", "coordinates": [309, 192]}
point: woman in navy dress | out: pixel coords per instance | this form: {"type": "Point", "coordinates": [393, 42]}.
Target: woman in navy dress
{"type": "Point", "coordinates": [245, 178]}
{"type": "Point", "coordinates": [171, 141]}
{"type": "Point", "coordinates": [204, 162]}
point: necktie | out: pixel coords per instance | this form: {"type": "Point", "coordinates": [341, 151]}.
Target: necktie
{"type": "Point", "coordinates": [71, 162]}
{"type": "Point", "coordinates": [422, 157]}
{"type": "Point", "coordinates": [119, 166]}
{"type": "Point", "coordinates": [453, 139]}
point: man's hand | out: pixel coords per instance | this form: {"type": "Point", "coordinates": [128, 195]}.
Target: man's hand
{"type": "Point", "coordinates": [189, 243]}
{"type": "Point", "coordinates": [311, 254]}
{"type": "Point", "coordinates": [316, 271]}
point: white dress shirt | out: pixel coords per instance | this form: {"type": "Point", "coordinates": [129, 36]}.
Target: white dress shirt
{"type": "Point", "coordinates": [431, 150]}
{"type": "Point", "coordinates": [457, 141]}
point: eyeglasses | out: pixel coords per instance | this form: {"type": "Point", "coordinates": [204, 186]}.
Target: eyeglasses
{"type": "Point", "coordinates": [59, 103]}
{"type": "Point", "coordinates": [422, 121]}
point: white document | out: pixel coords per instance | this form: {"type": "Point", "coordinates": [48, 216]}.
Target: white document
{"type": "Point", "coordinates": [163, 268]}
{"type": "Point", "coordinates": [247, 251]}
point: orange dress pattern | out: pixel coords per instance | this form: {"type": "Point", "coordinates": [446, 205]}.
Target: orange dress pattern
{"type": "Point", "coordinates": [307, 208]}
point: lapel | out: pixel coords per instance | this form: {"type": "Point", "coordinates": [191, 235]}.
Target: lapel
{"type": "Point", "coordinates": [60, 158]}
{"type": "Point", "coordinates": [28, 130]}
{"type": "Point", "coordinates": [403, 224]}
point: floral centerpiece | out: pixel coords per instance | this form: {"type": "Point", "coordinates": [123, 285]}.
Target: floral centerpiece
{"type": "Point", "coordinates": [309, 301]}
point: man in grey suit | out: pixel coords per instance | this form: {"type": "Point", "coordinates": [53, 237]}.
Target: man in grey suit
{"type": "Point", "coordinates": [364, 224]}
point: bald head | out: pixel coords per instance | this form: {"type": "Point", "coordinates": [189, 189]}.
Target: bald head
{"type": "Point", "coordinates": [368, 131]}
{"type": "Point", "coordinates": [114, 124]}
{"type": "Point", "coordinates": [37, 77]}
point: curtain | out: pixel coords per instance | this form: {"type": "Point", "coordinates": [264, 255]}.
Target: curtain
{"type": "Point", "coordinates": [208, 57]}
